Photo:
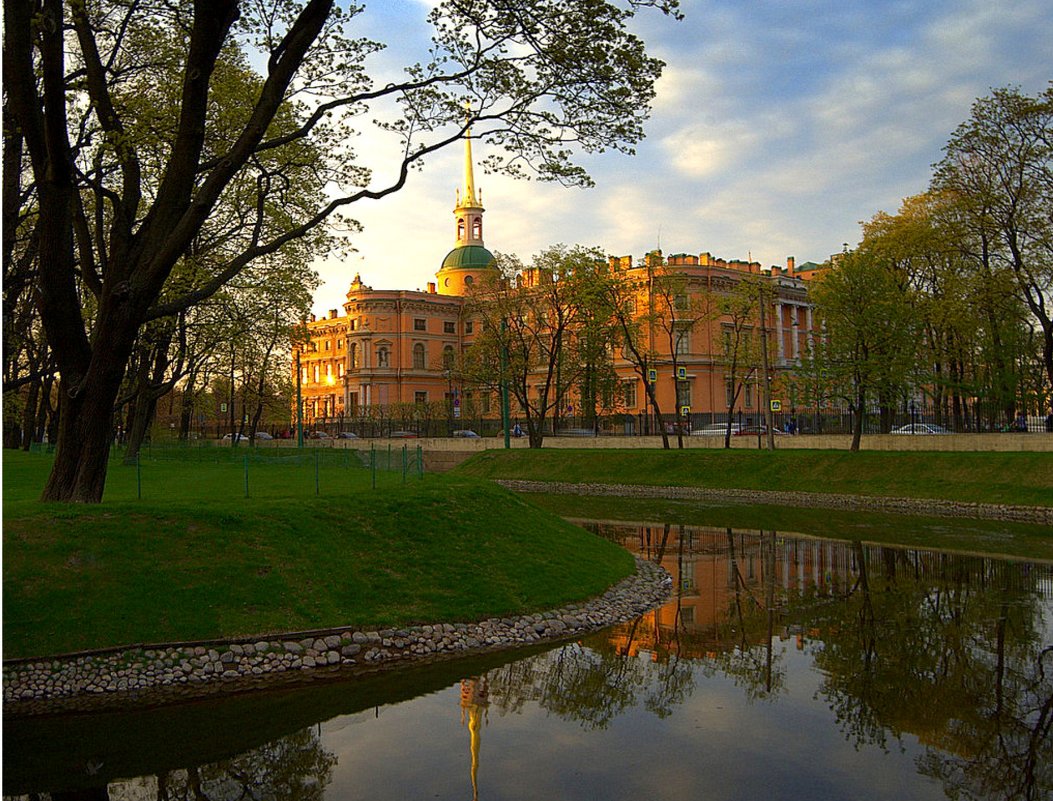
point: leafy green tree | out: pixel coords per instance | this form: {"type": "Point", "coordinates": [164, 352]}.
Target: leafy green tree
{"type": "Point", "coordinates": [739, 342]}
{"type": "Point", "coordinates": [540, 329]}
{"type": "Point", "coordinates": [676, 310]}
{"type": "Point", "coordinates": [118, 210]}
{"type": "Point", "coordinates": [998, 168]}
{"type": "Point", "coordinates": [870, 328]}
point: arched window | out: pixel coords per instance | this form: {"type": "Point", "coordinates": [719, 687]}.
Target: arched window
{"type": "Point", "coordinates": [418, 356]}
{"type": "Point", "coordinates": [460, 230]}
{"type": "Point", "coordinates": [382, 356]}
{"type": "Point", "coordinates": [477, 228]}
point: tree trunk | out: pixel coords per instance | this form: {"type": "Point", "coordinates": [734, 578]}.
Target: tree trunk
{"type": "Point", "coordinates": [144, 409]}
{"type": "Point", "coordinates": [857, 428]}
{"type": "Point", "coordinates": [79, 472]}
{"type": "Point", "coordinates": [29, 415]}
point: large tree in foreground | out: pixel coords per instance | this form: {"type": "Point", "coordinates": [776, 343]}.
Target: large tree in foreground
{"type": "Point", "coordinates": [998, 171]}
{"type": "Point", "coordinates": [116, 212]}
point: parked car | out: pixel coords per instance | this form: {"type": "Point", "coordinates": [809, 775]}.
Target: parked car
{"type": "Point", "coordinates": [920, 428]}
{"type": "Point", "coordinates": [317, 435]}
{"type": "Point", "coordinates": [715, 430]}
{"type": "Point", "coordinates": [261, 435]}
{"type": "Point", "coordinates": [753, 431]}
{"type": "Point", "coordinates": [403, 435]}
{"type": "Point", "coordinates": [467, 433]}
{"type": "Point", "coordinates": [347, 435]}
{"type": "Point", "coordinates": [235, 437]}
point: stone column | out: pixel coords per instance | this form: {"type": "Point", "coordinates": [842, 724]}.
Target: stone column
{"type": "Point", "coordinates": [778, 332]}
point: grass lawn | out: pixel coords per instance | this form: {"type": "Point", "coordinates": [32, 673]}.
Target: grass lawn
{"type": "Point", "coordinates": [1004, 478]}
{"type": "Point", "coordinates": [195, 559]}
{"type": "Point", "coordinates": [989, 537]}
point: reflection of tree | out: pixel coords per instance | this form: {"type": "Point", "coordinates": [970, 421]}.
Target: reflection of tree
{"type": "Point", "coordinates": [591, 684]}
{"type": "Point", "coordinates": [295, 767]}
{"type": "Point", "coordinates": [951, 653]}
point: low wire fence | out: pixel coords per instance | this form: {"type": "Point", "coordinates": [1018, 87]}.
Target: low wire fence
{"type": "Point", "coordinates": [209, 471]}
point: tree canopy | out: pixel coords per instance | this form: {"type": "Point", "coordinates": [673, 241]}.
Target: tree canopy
{"type": "Point", "coordinates": [150, 128]}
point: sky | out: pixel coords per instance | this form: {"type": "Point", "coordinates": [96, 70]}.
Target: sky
{"type": "Point", "coordinates": [778, 127]}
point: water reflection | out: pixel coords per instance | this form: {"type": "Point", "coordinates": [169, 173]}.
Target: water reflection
{"type": "Point", "coordinates": [782, 667]}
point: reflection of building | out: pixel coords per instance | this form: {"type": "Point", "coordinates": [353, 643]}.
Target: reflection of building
{"type": "Point", "coordinates": [723, 578]}
{"type": "Point", "coordinates": [474, 704]}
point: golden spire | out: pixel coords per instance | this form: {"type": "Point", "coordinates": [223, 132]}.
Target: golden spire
{"type": "Point", "coordinates": [467, 199]}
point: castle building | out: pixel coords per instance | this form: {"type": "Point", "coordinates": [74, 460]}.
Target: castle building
{"type": "Point", "coordinates": [397, 346]}
{"type": "Point", "coordinates": [394, 349]}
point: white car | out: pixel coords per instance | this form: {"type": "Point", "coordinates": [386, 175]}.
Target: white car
{"type": "Point", "coordinates": [920, 428]}
{"type": "Point", "coordinates": [715, 430]}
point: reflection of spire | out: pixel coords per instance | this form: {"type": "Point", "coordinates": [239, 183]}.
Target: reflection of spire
{"type": "Point", "coordinates": [474, 701]}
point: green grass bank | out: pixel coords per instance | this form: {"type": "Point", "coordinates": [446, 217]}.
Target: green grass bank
{"type": "Point", "coordinates": [195, 559]}
{"type": "Point", "coordinates": [1001, 478]}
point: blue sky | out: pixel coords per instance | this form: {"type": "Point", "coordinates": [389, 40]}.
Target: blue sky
{"type": "Point", "coordinates": [778, 127]}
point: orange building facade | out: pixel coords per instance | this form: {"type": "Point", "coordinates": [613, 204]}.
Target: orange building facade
{"type": "Point", "coordinates": [392, 348]}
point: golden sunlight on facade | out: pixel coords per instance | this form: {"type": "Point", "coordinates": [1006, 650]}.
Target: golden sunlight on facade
{"type": "Point", "coordinates": [392, 346]}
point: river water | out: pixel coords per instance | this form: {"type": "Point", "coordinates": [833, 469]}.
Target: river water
{"type": "Point", "coordinates": [783, 668]}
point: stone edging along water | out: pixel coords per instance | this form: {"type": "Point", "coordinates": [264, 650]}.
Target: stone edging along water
{"type": "Point", "coordinates": [145, 674]}
{"type": "Point", "coordinates": [909, 506]}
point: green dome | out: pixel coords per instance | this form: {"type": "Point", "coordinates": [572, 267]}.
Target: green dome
{"type": "Point", "coordinates": [468, 257]}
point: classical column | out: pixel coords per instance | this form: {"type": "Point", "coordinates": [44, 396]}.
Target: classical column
{"type": "Point", "coordinates": [778, 332]}
{"type": "Point", "coordinates": [796, 332]}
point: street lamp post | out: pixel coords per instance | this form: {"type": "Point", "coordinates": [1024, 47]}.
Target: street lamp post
{"type": "Point", "coordinates": [299, 403]}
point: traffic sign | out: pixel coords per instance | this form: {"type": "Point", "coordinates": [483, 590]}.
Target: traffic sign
{"type": "Point", "coordinates": [681, 373]}
{"type": "Point", "coordinates": [776, 405]}
{"type": "Point", "coordinates": [652, 375]}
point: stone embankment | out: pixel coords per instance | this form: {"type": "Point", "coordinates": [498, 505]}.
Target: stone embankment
{"type": "Point", "coordinates": [152, 673]}
{"type": "Point", "coordinates": [908, 506]}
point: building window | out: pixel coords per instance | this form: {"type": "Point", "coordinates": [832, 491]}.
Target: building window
{"type": "Point", "coordinates": [485, 402]}
{"type": "Point", "coordinates": [340, 344]}
{"type": "Point", "coordinates": [629, 394]}
{"type": "Point", "coordinates": [460, 230]}
{"type": "Point", "coordinates": [449, 327]}
{"type": "Point", "coordinates": [748, 400]}
{"type": "Point", "coordinates": [729, 393]}
{"type": "Point", "coordinates": [418, 356]}
{"type": "Point", "coordinates": [420, 324]}
{"type": "Point", "coordinates": [316, 374]}
{"type": "Point", "coordinates": [447, 357]}
{"type": "Point", "coordinates": [477, 228]}
{"type": "Point", "coordinates": [306, 376]}
{"type": "Point", "coordinates": [468, 280]}
{"type": "Point", "coordinates": [340, 370]}
{"type": "Point", "coordinates": [683, 341]}
{"type": "Point", "coordinates": [469, 327]}
{"type": "Point", "coordinates": [382, 356]}
{"type": "Point", "coordinates": [327, 344]}
{"type": "Point", "coordinates": [354, 324]}
{"type": "Point", "coordinates": [420, 398]}
{"type": "Point", "coordinates": [683, 393]}
{"type": "Point", "coordinates": [352, 355]}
